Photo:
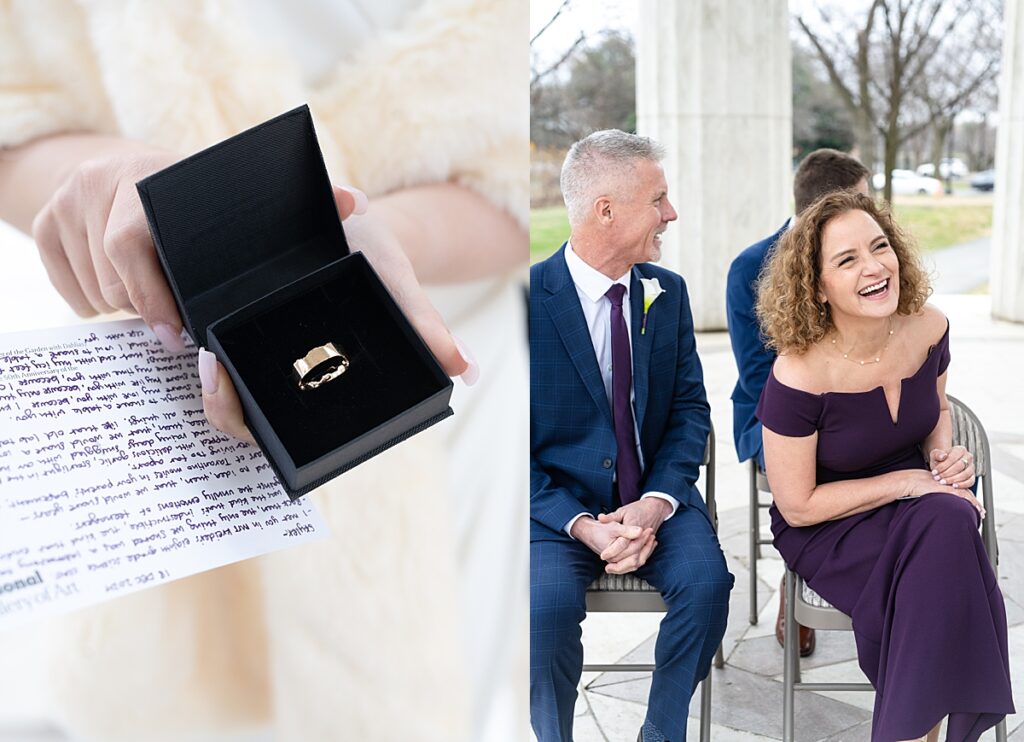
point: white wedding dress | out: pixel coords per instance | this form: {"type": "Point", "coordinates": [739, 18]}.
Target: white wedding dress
{"type": "Point", "coordinates": [409, 623]}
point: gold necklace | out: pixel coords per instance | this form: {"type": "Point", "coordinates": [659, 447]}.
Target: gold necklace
{"type": "Point", "coordinates": [877, 358]}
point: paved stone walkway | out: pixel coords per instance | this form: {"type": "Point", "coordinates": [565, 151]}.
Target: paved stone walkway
{"type": "Point", "coordinates": [961, 269]}
{"type": "Point", "coordinates": [747, 699]}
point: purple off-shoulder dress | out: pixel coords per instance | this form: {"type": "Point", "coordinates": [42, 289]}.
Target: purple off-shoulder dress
{"type": "Point", "coordinates": [928, 616]}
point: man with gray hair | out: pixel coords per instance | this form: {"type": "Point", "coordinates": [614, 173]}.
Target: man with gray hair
{"type": "Point", "coordinates": [619, 422]}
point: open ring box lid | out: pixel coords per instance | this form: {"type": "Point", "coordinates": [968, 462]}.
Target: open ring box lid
{"type": "Point", "coordinates": [249, 237]}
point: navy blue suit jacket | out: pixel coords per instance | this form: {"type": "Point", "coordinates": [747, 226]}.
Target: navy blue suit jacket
{"type": "Point", "coordinates": [753, 359]}
{"type": "Point", "coordinates": [572, 441]}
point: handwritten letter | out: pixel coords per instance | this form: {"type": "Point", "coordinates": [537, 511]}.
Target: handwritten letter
{"type": "Point", "coordinates": [112, 480]}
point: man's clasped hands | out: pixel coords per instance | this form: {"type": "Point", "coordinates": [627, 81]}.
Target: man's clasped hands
{"type": "Point", "coordinates": [624, 538]}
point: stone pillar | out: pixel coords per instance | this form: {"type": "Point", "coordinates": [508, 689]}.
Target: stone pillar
{"type": "Point", "coordinates": [714, 86]}
{"type": "Point", "coordinates": [1007, 283]}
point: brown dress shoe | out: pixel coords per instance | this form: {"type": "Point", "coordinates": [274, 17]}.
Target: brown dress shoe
{"type": "Point", "coordinates": [806, 634]}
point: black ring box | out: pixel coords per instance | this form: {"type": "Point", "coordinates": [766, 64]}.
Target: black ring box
{"type": "Point", "coordinates": [250, 240]}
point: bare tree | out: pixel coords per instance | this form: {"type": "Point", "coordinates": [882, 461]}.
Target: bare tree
{"type": "Point", "coordinates": [539, 74]}
{"type": "Point", "coordinates": [978, 141]}
{"type": "Point", "coordinates": [962, 74]}
{"type": "Point", "coordinates": [882, 73]}
{"type": "Point", "coordinates": [596, 90]}
{"type": "Point", "coordinates": [819, 118]}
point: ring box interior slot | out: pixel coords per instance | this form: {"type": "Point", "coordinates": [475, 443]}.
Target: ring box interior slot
{"type": "Point", "coordinates": [249, 237]}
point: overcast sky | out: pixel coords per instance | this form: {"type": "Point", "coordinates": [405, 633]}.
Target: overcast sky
{"type": "Point", "coordinates": [594, 16]}
{"type": "Point", "coordinates": [589, 16]}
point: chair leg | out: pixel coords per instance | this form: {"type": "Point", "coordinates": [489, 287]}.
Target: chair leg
{"type": "Point", "coordinates": [791, 658]}
{"type": "Point", "coordinates": [755, 537]}
{"type": "Point", "coordinates": [1001, 731]}
{"type": "Point", "coordinates": [719, 658]}
{"type": "Point", "coordinates": [755, 470]}
{"type": "Point", "coordinates": [705, 708]}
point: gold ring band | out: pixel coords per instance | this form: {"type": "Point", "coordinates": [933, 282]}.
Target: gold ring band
{"type": "Point", "coordinates": [319, 366]}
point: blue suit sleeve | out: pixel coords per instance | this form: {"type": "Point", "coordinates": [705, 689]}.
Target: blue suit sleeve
{"type": "Point", "coordinates": [551, 505]}
{"type": "Point", "coordinates": [753, 360]}
{"type": "Point", "coordinates": [676, 465]}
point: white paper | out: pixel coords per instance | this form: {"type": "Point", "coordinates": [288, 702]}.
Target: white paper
{"type": "Point", "coordinates": [112, 480]}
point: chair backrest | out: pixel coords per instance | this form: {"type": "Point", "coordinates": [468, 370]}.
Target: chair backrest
{"type": "Point", "coordinates": [970, 433]}
{"type": "Point", "coordinates": [629, 593]}
{"type": "Point", "coordinates": [708, 462]}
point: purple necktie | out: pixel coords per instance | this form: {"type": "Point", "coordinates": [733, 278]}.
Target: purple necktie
{"type": "Point", "coordinates": [627, 470]}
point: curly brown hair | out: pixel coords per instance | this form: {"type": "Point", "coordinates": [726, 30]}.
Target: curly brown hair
{"type": "Point", "coordinates": [791, 316]}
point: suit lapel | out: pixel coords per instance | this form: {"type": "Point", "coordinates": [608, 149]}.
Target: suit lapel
{"type": "Point", "coordinates": [563, 306]}
{"type": "Point", "coordinates": [641, 345]}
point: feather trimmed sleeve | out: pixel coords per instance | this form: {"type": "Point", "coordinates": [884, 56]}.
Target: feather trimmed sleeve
{"type": "Point", "coordinates": [443, 97]}
{"type": "Point", "coordinates": [50, 81]}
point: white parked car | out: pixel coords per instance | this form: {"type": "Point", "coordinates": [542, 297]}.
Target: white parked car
{"type": "Point", "coordinates": [909, 183]}
{"type": "Point", "coordinates": [946, 165]}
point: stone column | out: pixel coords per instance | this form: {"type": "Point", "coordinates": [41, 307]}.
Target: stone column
{"type": "Point", "coordinates": [1007, 283]}
{"type": "Point", "coordinates": [714, 86]}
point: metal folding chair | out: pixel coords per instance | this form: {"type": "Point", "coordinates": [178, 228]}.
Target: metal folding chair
{"type": "Point", "coordinates": [630, 594]}
{"type": "Point", "coordinates": [758, 484]}
{"type": "Point", "coordinates": [807, 608]}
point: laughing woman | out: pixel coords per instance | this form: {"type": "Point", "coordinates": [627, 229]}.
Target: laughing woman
{"type": "Point", "coordinates": [873, 506]}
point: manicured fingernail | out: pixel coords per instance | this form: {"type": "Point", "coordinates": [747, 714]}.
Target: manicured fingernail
{"type": "Point", "coordinates": [936, 477]}
{"type": "Point", "coordinates": [170, 339]}
{"type": "Point", "coordinates": [472, 374]}
{"type": "Point", "coordinates": [935, 471]}
{"type": "Point", "coordinates": [942, 481]}
{"type": "Point", "coordinates": [956, 486]}
{"type": "Point", "coordinates": [362, 202]}
{"type": "Point", "coordinates": [208, 371]}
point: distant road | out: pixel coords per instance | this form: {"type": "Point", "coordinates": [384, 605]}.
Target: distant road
{"type": "Point", "coordinates": [962, 268]}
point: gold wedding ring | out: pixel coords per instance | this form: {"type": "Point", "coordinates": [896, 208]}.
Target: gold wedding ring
{"type": "Point", "coordinates": [322, 364]}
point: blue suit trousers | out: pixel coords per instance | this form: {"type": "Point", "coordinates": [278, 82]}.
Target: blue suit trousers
{"type": "Point", "coordinates": [688, 569]}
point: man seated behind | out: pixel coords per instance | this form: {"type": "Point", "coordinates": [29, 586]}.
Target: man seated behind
{"type": "Point", "coordinates": [822, 171]}
{"type": "Point", "coordinates": [619, 424]}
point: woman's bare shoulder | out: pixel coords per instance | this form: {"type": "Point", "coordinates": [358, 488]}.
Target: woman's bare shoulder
{"type": "Point", "coordinates": [798, 371]}
{"type": "Point", "coordinates": [928, 325]}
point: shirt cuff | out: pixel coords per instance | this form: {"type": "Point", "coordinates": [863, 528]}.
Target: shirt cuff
{"type": "Point", "coordinates": [667, 498]}
{"type": "Point", "coordinates": [568, 526]}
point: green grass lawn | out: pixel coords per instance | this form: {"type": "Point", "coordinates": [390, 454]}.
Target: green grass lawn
{"type": "Point", "coordinates": [549, 228]}
{"type": "Point", "coordinates": [933, 227]}
{"type": "Point", "coordinates": [936, 227]}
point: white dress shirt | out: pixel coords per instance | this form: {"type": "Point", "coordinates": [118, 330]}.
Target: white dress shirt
{"type": "Point", "coordinates": [591, 287]}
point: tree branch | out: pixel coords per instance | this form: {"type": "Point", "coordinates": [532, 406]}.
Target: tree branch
{"type": "Point", "coordinates": [830, 66]}
{"type": "Point", "coordinates": [552, 19]}
{"type": "Point", "coordinates": [541, 75]}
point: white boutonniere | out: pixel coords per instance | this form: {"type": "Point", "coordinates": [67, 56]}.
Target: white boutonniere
{"type": "Point", "coordinates": [652, 290]}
